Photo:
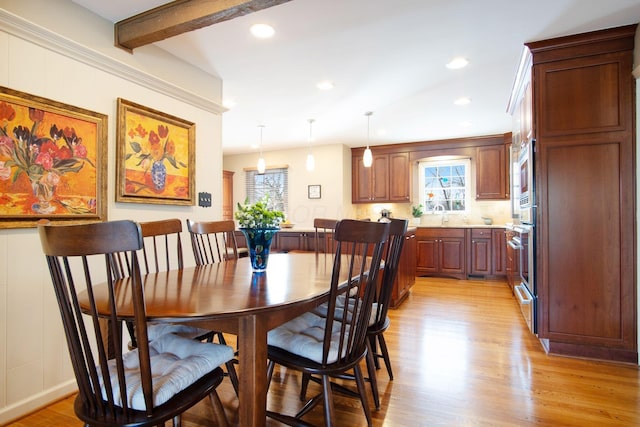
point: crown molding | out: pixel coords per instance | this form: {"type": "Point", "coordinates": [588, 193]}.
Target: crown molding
{"type": "Point", "coordinates": [26, 30]}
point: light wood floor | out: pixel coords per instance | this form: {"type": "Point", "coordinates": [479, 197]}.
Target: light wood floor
{"type": "Point", "coordinates": [461, 356]}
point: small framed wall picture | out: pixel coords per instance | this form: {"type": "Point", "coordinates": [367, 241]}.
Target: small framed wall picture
{"type": "Point", "coordinates": [315, 192]}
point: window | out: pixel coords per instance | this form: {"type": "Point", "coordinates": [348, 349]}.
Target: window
{"type": "Point", "coordinates": [444, 184]}
{"type": "Point", "coordinates": [274, 183]}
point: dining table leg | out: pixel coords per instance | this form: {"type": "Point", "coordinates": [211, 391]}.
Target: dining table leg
{"type": "Point", "coordinates": [252, 350]}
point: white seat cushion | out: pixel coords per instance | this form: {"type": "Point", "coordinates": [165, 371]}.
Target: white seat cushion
{"type": "Point", "coordinates": [155, 330]}
{"type": "Point", "coordinates": [322, 309]}
{"type": "Point", "coordinates": [176, 363]}
{"type": "Point", "coordinates": [304, 337]}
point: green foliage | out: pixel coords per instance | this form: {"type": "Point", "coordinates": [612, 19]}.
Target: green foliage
{"type": "Point", "coordinates": [258, 215]}
{"type": "Point", "coordinates": [416, 211]}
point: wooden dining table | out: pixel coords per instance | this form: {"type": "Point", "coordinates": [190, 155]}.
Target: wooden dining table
{"type": "Point", "coordinates": [230, 298]}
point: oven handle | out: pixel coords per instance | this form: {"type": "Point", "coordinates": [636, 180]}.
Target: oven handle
{"type": "Point", "coordinates": [522, 294]}
{"type": "Point", "coordinates": [514, 245]}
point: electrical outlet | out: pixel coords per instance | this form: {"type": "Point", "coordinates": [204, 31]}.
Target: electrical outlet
{"type": "Point", "coordinates": [204, 200]}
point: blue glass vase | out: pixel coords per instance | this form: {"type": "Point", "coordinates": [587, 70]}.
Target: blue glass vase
{"type": "Point", "coordinates": [259, 244]}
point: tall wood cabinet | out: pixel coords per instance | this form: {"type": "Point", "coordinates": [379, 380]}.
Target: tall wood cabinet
{"type": "Point", "coordinates": [583, 122]}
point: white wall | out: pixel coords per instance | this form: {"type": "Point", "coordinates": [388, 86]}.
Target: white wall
{"type": "Point", "coordinates": [332, 172]}
{"type": "Point", "coordinates": [57, 50]}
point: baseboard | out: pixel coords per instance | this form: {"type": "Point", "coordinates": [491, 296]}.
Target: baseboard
{"type": "Point", "coordinates": [34, 403]}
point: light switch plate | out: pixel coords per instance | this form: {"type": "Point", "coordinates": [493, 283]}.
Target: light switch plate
{"type": "Point", "coordinates": [204, 200]}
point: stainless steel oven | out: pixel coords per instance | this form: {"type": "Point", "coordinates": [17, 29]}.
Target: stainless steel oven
{"type": "Point", "coordinates": [525, 291]}
{"type": "Point", "coordinates": [526, 182]}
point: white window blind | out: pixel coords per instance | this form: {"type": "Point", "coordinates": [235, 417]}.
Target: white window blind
{"type": "Point", "coordinates": [273, 182]}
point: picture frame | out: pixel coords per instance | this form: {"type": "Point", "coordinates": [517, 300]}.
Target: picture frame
{"type": "Point", "coordinates": [155, 158]}
{"type": "Point", "coordinates": [53, 161]}
{"type": "Point", "coordinates": [314, 191]}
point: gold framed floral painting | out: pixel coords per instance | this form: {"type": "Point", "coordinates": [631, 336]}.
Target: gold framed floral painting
{"type": "Point", "coordinates": [156, 156]}
{"type": "Point", "coordinates": [53, 161]}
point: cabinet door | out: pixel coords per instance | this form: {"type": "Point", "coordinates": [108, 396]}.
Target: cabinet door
{"type": "Point", "coordinates": [491, 174]}
{"type": "Point", "coordinates": [480, 256]}
{"type": "Point", "coordinates": [427, 255]}
{"type": "Point", "coordinates": [361, 181]}
{"type": "Point", "coordinates": [399, 177]}
{"type": "Point", "coordinates": [406, 275]}
{"type": "Point", "coordinates": [291, 241]}
{"type": "Point", "coordinates": [380, 178]}
{"type": "Point", "coordinates": [452, 255]}
{"type": "Point", "coordinates": [498, 239]}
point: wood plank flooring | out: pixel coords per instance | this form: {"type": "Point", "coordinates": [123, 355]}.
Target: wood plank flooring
{"type": "Point", "coordinates": [461, 355]}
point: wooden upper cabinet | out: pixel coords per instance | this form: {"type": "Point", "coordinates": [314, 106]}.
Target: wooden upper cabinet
{"type": "Point", "coordinates": [387, 180]}
{"type": "Point", "coordinates": [370, 184]}
{"type": "Point", "coordinates": [399, 177]}
{"type": "Point", "coordinates": [492, 179]}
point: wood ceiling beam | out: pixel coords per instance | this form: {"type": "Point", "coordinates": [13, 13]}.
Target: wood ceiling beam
{"type": "Point", "coordinates": [181, 16]}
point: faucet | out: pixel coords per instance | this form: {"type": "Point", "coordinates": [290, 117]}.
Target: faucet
{"type": "Point", "coordinates": [435, 209]}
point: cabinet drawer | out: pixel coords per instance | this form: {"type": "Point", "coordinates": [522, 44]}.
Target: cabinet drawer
{"type": "Point", "coordinates": [439, 232]}
{"type": "Point", "coordinates": [480, 233]}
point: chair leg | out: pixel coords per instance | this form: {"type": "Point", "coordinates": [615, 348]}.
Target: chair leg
{"type": "Point", "coordinates": [373, 381]}
{"type": "Point", "coordinates": [361, 391]}
{"type": "Point", "coordinates": [385, 355]}
{"type": "Point", "coordinates": [374, 349]}
{"type": "Point", "coordinates": [304, 386]}
{"type": "Point", "coordinates": [218, 409]}
{"type": "Point", "coordinates": [233, 375]}
{"type": "Point", "coordinates": [329, 417]}
{"type": "Point", "coordinates": [270, 368]}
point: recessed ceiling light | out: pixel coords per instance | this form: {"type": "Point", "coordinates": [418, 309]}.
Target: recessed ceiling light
{"type": "Point", "coordinates": [262, 31]}
{"type": "Point", "coordinates": [325, 85]}
{"type": "Point", "coordinates": [457, 63]}
{"type": "Point", "coordinates": [462, 101]}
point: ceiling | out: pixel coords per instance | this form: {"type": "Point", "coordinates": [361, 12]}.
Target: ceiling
{"type": "Point", "coordinates": [384, 56]}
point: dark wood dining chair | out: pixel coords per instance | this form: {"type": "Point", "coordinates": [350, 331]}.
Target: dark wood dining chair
{"type": "Point", "coordinates": [213, 241]}
{"type": "Point", "coordinates": [379, 321]}
{"type": "Point", "coordinates": [155, 382]}
{"type": "Point", "coordinates": [333, 345]}
{"type": "Point", "coordinates": [162, 251]}
{"type": "Point", "coordinates": [323, 236]}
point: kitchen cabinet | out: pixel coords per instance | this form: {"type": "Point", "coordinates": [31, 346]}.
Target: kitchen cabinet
{"type": "Point", "coordinates": [511, 264]}
{"type": "Point", "coordinates": [387, 180]}
{"type": "Point", "coordinates": [370, 184]}
{"type": "Point", "coordinates": [227, 195]}
{"type": "Point", "coordinates": [441, 251]}
{"type": "Point", "coordinates": [284, 241]}
{"type": "Point", "coordinates": [583, 110]}
{"type": "Point", "coordinates": [499, 251]}
{"type": "Point", "coordinates": [406, 275]}
{"type": "Point", "coordinates": [399, 177]}
{"type": "Point", "coordinates": [293, 241]}
{"type": "Point", "coordinates": [492, 172]}
{"type": "Point", "coordinates": [487, 255]}
{"type": "Point", "coordinates": [481, 254]}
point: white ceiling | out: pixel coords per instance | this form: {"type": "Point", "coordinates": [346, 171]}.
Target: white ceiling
{"type": "Point", "coordinates": [385, 56]}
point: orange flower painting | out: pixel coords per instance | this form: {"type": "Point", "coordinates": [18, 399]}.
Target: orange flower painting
{"type": "Point", "coordinates": [155, 156]}
{"type": "Point", "coordinates": [49, 159]}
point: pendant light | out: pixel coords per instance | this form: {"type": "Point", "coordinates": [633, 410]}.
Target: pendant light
{"type": "Point", "coordinates": [367, 158]}
{"type": "Point", "coordinates": [311, 162]}
{"type": "Point", "coordinates": [261, 164]}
